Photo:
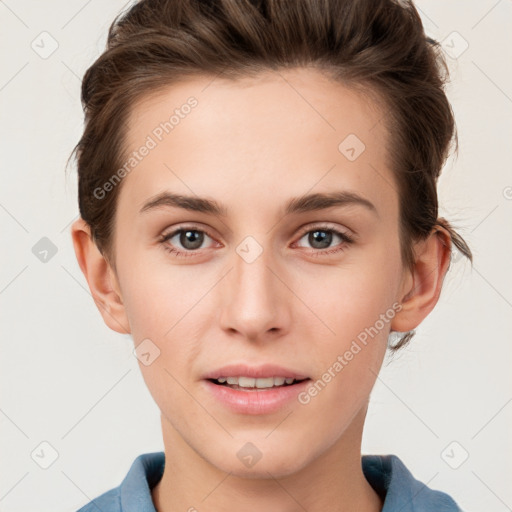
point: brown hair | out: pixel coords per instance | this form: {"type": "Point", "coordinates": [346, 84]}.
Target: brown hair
{"type": "Point", "coordinates": [377, 46]}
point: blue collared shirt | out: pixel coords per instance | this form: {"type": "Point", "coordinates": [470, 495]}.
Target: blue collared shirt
{"type": "Point", "coordinates": [387, 474]}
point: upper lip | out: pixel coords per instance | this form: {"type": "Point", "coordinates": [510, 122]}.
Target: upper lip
{"type": "Point", "coordinates": [261, 372]}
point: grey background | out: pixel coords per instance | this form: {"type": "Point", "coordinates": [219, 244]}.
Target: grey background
{"type": "Point", "coordinates": [70, 383]}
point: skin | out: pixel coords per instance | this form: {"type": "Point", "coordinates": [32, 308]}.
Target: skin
{"type": "Point", "coordinates": [290, 306]}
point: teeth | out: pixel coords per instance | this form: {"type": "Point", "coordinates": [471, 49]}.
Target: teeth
{"type": "Point", "coordinates": [250, 382]}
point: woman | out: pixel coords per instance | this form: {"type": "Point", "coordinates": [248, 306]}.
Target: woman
{"type": "Point", "coordinates": [257, 190]}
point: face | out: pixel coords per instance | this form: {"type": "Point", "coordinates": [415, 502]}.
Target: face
{"type": "Point", "coordinates": [268, 277]}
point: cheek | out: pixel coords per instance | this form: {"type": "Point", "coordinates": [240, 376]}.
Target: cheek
{"type": "Point", "coordinates": [163, 305]}
{"type": "Point", "coordinates": [351, 356]}
{"type": "Point", "coordinates": [157, 297]}
{"type": "Point", "coordinates": [358, 308]}
{"type": "Point", "coordinates": [353, 299]}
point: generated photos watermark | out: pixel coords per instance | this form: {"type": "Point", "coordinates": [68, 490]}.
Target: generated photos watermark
{"type": "Point", "coordinates": [152, 140]}
{"type": "Point", "coordinates": [343, 360]}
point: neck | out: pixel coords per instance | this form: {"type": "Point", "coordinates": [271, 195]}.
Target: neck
{"type": "Point", "coordinates": [333, 482]}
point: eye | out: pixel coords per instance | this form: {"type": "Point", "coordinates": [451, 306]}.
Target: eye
{"type": "Point", "coordinates": [321, 238]}
{"type": "Point", "coordinates": [190, 238]}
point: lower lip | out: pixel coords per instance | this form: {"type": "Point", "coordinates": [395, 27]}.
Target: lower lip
{"type": "Point", "coordinates": [262, 401]}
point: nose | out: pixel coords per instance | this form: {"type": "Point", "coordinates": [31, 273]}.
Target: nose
{"type": "Point", "coordinates": [255, 297]}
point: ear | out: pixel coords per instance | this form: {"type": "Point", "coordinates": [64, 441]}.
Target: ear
{"type": "Point", "coordinates": [100, 277]}
{"type": "Point", "coordinates": [422, 285]}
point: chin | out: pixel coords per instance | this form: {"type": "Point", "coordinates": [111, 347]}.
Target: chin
{"type": "Point", "coordinates": [262, 465]}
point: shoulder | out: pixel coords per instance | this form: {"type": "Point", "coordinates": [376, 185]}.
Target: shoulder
{"type": "Point", "coordinates": [109, 501]}
{"type": "Point", "coordinates": [391, 479]}
{"type": "Point", "coordinates": [134, 492]}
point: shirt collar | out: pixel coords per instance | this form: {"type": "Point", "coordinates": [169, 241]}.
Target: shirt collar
{"type": "Point", "coordinates": [135, 490]}
{"type": "Point", "coordinates": [387, 474]}
{"type": "Point", "coordinates": [398, 488]}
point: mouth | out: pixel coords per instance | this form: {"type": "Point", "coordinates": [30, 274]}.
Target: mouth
{"type": "Point", "coordinates": [243, 389]}
{"type": "Point", "coordinates": [256, 384]}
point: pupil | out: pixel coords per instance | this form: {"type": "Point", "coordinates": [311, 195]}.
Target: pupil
{"type": "Point", "coordinates": [191, 237]}
{"type": "Point", "coordinates": [323, 237]}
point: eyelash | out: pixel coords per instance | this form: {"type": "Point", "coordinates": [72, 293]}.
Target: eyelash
{"type": "Point", "coordinates": [346, 240]}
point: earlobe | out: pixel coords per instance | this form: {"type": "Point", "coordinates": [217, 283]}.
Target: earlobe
{"type": "Point", "coordinates": [423, 283]}
{"type": "Point", "coordinates": [100, 277]}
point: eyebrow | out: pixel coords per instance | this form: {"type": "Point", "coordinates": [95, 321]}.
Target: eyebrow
{"type": "Point", "coordinates": [307, 203]}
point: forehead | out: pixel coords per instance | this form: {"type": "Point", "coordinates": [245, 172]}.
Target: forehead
{"type": "Point", "coordinates": [288, 132]}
